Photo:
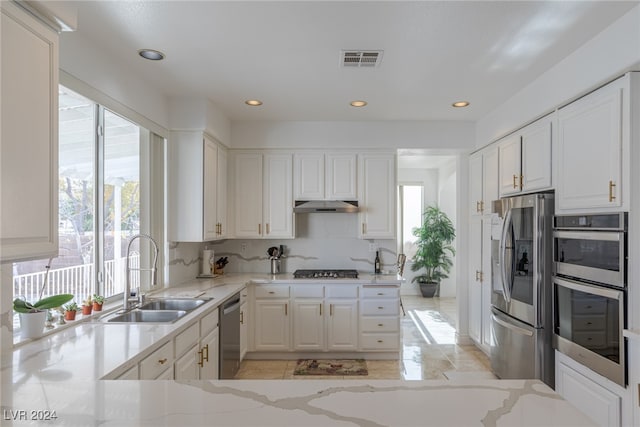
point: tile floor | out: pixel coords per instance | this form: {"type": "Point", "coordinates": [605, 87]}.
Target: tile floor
{"type": "Point", "coordinates": [428, 350]}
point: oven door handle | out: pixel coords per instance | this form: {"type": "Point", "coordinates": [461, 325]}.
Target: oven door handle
{"type": "Point", "coordinates": [510, 326]}
{"type": "Point", "coordinates": [506, 227]}
{"type": "Point", "coordinates": [609, 236]}
{"type": "Point", "coordinates": [589, 289]}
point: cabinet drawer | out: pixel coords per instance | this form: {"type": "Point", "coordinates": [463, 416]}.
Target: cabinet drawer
{"type": "Point", "coordinates": [380, 292]}
{"type": "Point", "coordinates": [157, 362]}
{"type": "Point", "coordinates": [342, 291]}
{"type": "Point", "coordinates": [379, 307]}
{"type": "Point", "coordinates": [272, 291]}
{"type": "Point", "coordinates": [187, 339]}
{"type": "Point", "coordinates": [380, 341]}
{"type": "Point", "coordinates": [379, 324]}
{"type": "Point", "coordinates": [209, 322]}
{"type": "Point", "coordinates": [308, 291]}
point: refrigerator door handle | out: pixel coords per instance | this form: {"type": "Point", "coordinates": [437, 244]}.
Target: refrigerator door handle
{"type": "Point", "coordinates": [506, 226]}
{"type": "Point", "coordinates": [511, 327]}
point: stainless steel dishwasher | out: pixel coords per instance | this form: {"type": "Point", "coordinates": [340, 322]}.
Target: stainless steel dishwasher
{"type": "Point", "coordinates": [230, 337]}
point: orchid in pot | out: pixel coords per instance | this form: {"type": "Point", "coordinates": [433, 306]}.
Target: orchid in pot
{"type": "Point", "coordinates": [33, 314]}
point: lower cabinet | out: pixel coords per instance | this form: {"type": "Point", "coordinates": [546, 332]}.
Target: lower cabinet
{"type": "Point", "coordinates": [599, 403]}
{"type": "Point", "coordinates": [271, 318]}
{"type": "Point", "coordinates": [131, 374]}
{"type": "Point", "coordinates": [208, 360]}
{"type": "Point", "coordinates": [342, 318]}
{"type": "Point", "coordinates": [380, 318]}
{"type": "Point", "coordinates": [308, 327]}
{"type": "Point", "coordinates": [244, 326]}
{"type": "Point", "coordinates": [158, 363]}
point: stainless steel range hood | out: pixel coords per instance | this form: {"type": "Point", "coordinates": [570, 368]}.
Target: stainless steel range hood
{"type": "Point", "coordinates": [313, 206]}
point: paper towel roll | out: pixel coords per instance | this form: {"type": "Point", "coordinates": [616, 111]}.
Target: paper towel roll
{"type": "Point", "coordinates": [207, 256]}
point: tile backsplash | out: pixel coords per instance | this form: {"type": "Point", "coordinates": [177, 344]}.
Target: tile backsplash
{"type": "Point", "coordinates": [323, 240]}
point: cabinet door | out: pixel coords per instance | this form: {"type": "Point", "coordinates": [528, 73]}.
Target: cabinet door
{"type": "Point", "coordinates": [475, 183]}
{"type": "Point", "coordinates": [308, 175]}
{"type": "Point", "coordinates": [590, 145]}
{"type": "Point", "coordinates": [271, 325]}
{"type": "Point", "coordinates": [186, 367]}
{"type": "Point", "coordinates": [509, 159]}
{"type": "Point", "coordinates": [210, 188]}
{"type": "Point", "coordinates": [244, 330]}
{"type": "Point", "coordinates": [278, 196]}
{"type": "Point", "coordinates": [221, 194]}
{"type": "Point", "coordinates": [486, 283]}
{"type": "Point", "coordinates": [536, 155]}
{"type": "Point", "coordinates": [595, 401]}
{"type": "Point", "coordinates": [377, 188]}
{"type": "Point", "coordinates": [308, 324]}
{"type": "Point", "coordinates": [210, 347]}
{"type": "Point", "coordinates": [131, 374]}
{"type": "Point", "coordinates": [29, 161]}
{"type": "Point", "coordinates": [342, 325]}
{"type": "Point", "coordinates": [248, 194]}
{"type": "Point", "coordinates": [341, 177]}
{"type": "Point", "coordinates": [490, 178]}
{"type": "Point", "coordinates": [475, 282]}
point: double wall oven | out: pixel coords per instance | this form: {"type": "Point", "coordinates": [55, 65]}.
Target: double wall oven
{"type": "Point", "coordinates": [590, 291]}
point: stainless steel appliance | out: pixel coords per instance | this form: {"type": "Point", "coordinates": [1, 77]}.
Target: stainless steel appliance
{"type": "Point", "coordinates": [521, 295]}
{"type": "Point", "coordinates": [230, 337]}
{"type": "Point", "coordinates": [325, 274]}
{"type": "Point", "coordinates": [590, 254]}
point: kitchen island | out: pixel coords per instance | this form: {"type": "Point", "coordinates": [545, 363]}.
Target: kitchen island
{"type": "Point", "coordinates": [60, 375]}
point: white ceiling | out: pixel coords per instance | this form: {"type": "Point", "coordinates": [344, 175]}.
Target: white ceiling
{"type": "Point", "coordinates": [287, 53]}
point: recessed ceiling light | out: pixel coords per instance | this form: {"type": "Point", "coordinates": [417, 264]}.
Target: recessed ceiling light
{"type": "Point", "coordinates": [253, 102]}
{"type": "Point", "coordinates": [460, 104]}
{"type": "Point", "coordinates": [150, 54]}
{"type": "Point", "coordinates": [358, 103]}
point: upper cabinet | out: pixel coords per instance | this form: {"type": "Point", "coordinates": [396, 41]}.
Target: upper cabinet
{"type": "Point", "coordinates": [483, 180]}
{"type": "Point", "coordinates": [594, 135]}
{"type": "Point", "coordinates": [324, 176]}
{"type": "Point", "coordinates": [377, 195]}
{"type": "Point", "coordinates": [263, 195]}
{"type": "Point", "coordinates": [29, 135]}
{"type": "Point", "coordinates": [525, 159]}
{"type": "Point", "coordinates": [197, 187]}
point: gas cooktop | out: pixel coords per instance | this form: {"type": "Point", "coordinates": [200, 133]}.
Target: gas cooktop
{"type": "Point", "coordinates": [325, 274]}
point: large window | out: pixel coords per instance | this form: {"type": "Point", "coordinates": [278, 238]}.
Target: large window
{"type": "Point", "coordinates": [411, 206]}
{"type": "Point", "coordinates": [100, 188]}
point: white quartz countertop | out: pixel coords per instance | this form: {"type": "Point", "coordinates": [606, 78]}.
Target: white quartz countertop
{"type": "Point", "coordinates": [287, 278]}
{"type": "Point", "coordinates": [289, 403]}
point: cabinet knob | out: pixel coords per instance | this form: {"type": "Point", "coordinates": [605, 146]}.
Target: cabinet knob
{"type": "Point", "coordinates": [380, 341]}
{"type": "Point", "coordinates": [515, 179]}
{"type": "Point", "coordinates": [267, 228]}
{"type": "Point", "coordinates": [162, 361]}
{"type": "Point", "coordinates": [201, 359]}
{"type": "Point", "coordinates": [206, 352]}
{"type": "Point", "coordinates": [380, 308]}
{"type": "Point", "coordinates": [380, 324]}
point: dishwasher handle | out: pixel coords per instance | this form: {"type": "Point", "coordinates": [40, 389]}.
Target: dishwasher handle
{"type": "Point", "coordinates": [231, 306]}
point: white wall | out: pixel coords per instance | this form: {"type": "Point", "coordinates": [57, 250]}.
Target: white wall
{"type": "Point", "coordinates": [388, 134]}
{"type": "Point", "coordinates": [608, 55]}
{"type": "Point", "coordinates": [447, 202]}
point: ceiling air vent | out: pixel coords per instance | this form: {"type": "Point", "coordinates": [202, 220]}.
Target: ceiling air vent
{"type": "Point", "coordinates": [361, 58]}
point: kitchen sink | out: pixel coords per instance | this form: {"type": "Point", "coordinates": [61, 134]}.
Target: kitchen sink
{"type": "Point", "coordinates": [148, 316]}
{"type": "Point", "coordinates": [183, 304]}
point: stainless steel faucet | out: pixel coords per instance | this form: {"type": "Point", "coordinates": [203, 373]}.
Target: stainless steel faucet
{"type": "Point", "coordinates": [128, 300]}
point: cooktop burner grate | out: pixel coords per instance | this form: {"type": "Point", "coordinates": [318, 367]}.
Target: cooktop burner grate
{"type": "Point", "coordinates": [325, 274]}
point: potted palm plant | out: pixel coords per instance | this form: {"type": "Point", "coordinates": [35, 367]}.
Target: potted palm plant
{"type": "Point", "coordinates": [434, 250]}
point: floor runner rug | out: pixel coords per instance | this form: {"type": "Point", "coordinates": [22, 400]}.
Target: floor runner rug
{"type": "Point", "coordinates": [331, 367]}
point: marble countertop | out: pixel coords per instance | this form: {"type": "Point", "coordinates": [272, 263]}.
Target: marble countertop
{"type": "Point", "coordinates": [289, 403]}
{"type": "Point", "coordinates": [287, 278]}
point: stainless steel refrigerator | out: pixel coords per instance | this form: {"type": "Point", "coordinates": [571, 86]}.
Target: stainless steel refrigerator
{"type": "Point", "coordinates": [521, 310]}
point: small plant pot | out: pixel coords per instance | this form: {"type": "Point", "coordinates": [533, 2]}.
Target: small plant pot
{"type": "Point", "coordinates": [97, 306]}
{"type": "Point", "coordinates": [428, 290]}
{"type": "Point", "coordinates": [70, 315]}
{"type": "Point", "coordinates": [86, 310]}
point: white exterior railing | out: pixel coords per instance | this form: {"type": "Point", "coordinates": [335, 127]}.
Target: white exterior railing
{"type": "Point", "coordinates": [77, 280]}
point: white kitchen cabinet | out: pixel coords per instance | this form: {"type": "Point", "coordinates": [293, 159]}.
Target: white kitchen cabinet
{"type": "Point", "coordinates": [186, 367]}
{"type": "Point", "coordinates": [325, 176]}
{"type": "Point", "coordinates": [158, 362]}
{"type": "Point", "coordinates": [271, 318]}
{"type": "Point", "coordinates": [132, 373]}
{"type": "Point", "coordinates": [602, 405]}
{"type": "Point", "coordinates": [197, 181]}
{"type": "Point", "coordinates": [594, 136]}
{"type": "Point", "coordinates": [377, 195]}
{"type": "Point", "coordinates": [29, 134]}
{"type": "Point", "coordinates": [483, 184]}
{"type": "Point", "coordinates": [263, 195]}
{"type": "Point", "coordinates": [308, 325]}
{"type": "Point", "coordinates": [380, 318]}
{"type": "Point", "coordinates": [342, 324]}
{"type": "Point", "coordinates": [244, 329]}
{"type": "Point", "coordinates": [525, 159]}
{"type": "Point", "coordinates": [210, 347]}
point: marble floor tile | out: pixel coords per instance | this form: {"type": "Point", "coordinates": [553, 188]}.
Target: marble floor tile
{"type": "Point", "coordinates": [428, 350]}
